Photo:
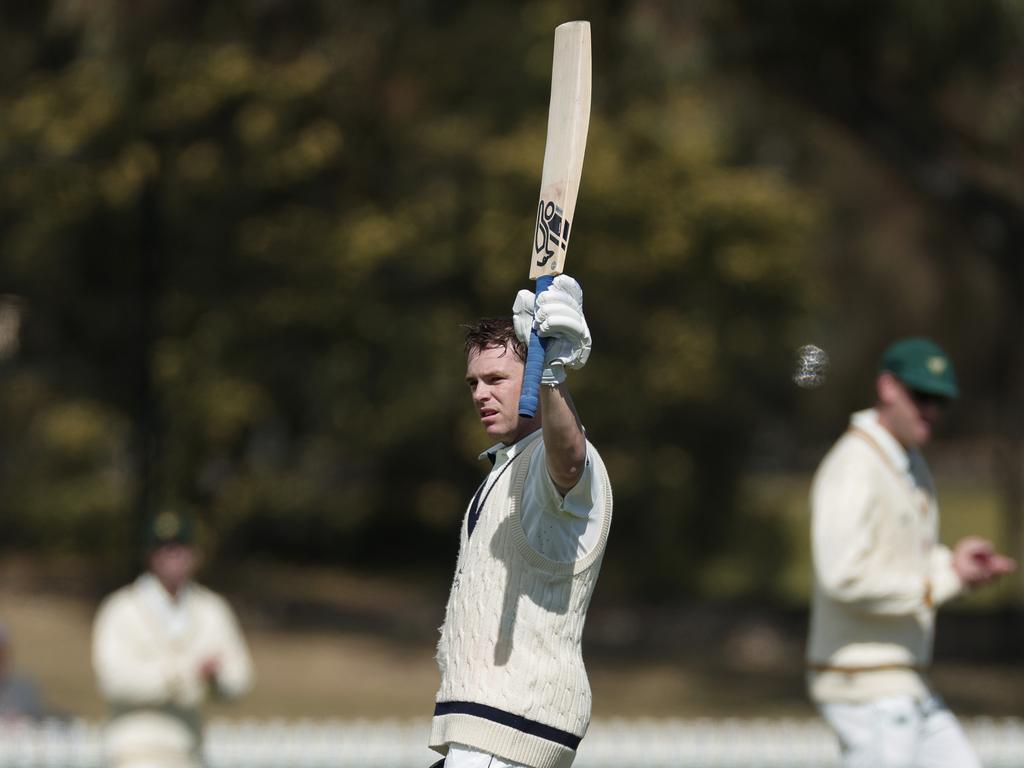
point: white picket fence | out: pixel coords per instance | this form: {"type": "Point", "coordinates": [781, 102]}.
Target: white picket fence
{"type": "Point", "coordinates": [699, 743]}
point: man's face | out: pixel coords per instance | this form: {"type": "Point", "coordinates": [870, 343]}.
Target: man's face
{"type": "Point", "coordinates": [173, 565]}
{"type": "Point", "coordinates": [495, 377]}
{"type": "Point", "coordinates": [911, 416]}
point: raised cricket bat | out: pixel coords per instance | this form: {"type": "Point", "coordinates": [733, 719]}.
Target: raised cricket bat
{"type": "Point", "coordinates": [568, 121]}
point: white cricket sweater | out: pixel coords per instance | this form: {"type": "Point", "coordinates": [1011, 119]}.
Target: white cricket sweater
{"type": "Point", "coordinates": [147, 652]}
{"type": "Point", "coordinates": [879, 569]}
{"type": "Point", "coordinates": [513, 682]}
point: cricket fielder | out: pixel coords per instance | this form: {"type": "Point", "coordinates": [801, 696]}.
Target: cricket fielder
{"type": "Point", "coordinates": [160, 646]}
{"type": "Point", "coordinates": [514, 691]}
{"type": "Point", "coordinates": [880, 573]}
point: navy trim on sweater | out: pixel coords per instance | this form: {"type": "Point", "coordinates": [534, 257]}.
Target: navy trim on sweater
{"type": "Point", "coordinates": [500, 716]}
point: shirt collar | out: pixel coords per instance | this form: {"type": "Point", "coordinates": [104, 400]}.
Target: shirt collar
{"type": "Point", "coordinates": [499, 453]}
{"type": "Point", "coordinates": [867, 421]}
{"type": "Point", "coordinates": [154, 591]}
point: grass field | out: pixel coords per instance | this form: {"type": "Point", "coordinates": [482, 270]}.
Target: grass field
{"type": "Point", "coordinates": [363, 646]}
{"type": "Point", "coordinates": [354, 674]}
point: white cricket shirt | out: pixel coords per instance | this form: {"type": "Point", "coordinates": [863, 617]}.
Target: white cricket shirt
{"type": "Point", "coordinates": [563, 529]}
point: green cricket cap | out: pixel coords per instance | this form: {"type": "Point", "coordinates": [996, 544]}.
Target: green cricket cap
{"type": "Point", "coordinates": [922, 365]}
{"type": "Point", "coordinates": [169, 527]}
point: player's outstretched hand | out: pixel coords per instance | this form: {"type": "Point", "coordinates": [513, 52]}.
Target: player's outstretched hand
{"type": "Point", "coordinates": [558, 316]}
{"type": "Point", "coordinates": [1000, 565]}
{"type": "Point", "coordinates": [976, 561]}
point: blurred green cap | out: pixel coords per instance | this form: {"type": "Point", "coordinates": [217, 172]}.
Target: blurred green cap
{"type": "Point", "coordinates": [168, 527]}
{"type": "Point", "coordinates": [921, 365]}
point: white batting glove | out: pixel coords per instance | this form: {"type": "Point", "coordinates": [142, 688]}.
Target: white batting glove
{"type": "Point", "coordinates": [558, 316]}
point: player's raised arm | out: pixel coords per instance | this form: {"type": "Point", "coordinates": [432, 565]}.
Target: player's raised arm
{"type": "Point", "coordinates": [568, 124]}
{"type": "Point", "coordinates": [557, 316]}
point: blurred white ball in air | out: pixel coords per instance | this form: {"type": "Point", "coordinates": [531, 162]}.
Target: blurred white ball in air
{"type": "Point", "coordinates": [811, 366]}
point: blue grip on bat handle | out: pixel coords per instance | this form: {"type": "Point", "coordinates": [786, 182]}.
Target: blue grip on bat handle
{"type": "Point", "coordinates": [530, 393]}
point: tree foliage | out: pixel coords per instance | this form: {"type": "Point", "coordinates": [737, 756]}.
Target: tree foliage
{"type": "Point", "coordinates": [246, 236]}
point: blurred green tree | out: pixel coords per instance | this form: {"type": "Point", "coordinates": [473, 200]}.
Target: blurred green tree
{"type": "Point", "coordinates": [909, 116]}
{"type": "Point", "coordinates": [247, 234]}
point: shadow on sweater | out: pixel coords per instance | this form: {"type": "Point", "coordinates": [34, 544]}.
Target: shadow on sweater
{"type": "Point", "coordinates": [545, 590]}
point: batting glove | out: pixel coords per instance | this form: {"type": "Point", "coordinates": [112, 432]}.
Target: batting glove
{"type": "Point", "coordinates": [558, 316]}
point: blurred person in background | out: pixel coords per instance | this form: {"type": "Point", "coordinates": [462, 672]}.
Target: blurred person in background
{"type": "Point", "coordinates": [880, 573]}
{"type": "Point", "coordinates": [160, 646]}
{"type": "Point", "coordinates": [19, 696]}
{"type": "Point", "coordinates": [514, 690]}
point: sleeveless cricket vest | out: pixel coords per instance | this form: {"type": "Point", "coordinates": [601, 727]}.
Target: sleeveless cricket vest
{"type": "Point", "coordinates": [513, 683]}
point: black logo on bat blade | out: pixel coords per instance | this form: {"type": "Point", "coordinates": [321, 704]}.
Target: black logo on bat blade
{"type": "Point", "coordinates": [552, 232]}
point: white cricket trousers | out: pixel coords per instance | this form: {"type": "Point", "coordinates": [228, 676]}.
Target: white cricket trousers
{"type": "Point", "coordinates": [460, 756]}
{"type": "Point", "coordinates": [899, 732]}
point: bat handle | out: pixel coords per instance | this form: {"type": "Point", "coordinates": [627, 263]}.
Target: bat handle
{"type": "Point", "coordinates": [530, 393]}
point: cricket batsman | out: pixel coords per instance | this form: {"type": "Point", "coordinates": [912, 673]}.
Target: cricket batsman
{"type": "Point", "coordinates": [514, 691]}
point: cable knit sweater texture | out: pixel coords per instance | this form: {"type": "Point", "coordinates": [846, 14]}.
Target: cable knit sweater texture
{"type": "Point", "coordinates": [510, 643]}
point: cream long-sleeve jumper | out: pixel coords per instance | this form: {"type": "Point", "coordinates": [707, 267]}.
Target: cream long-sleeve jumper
{"type": "Point", "coordinates": [147, 654]}
{"type": "Point", "coordinates": [880, 571]}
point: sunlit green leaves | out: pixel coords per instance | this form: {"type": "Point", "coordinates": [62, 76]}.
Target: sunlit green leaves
{"type": "Point", "coordinates": [256, 232]}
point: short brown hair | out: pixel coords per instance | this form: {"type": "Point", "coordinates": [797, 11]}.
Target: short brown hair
{"type": "Point", "coordinates": [494, 332]}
